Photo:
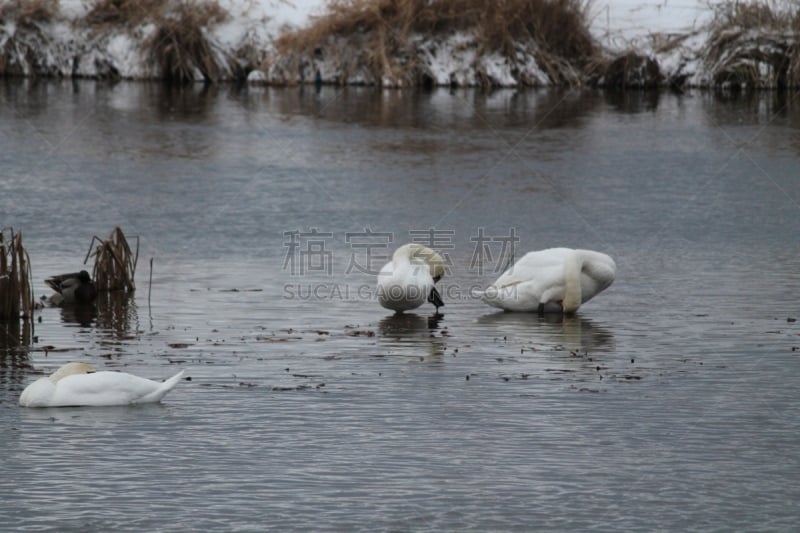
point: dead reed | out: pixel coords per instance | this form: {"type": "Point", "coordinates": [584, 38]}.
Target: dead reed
{"type": "Point", "coordinates": [755, 44]}
{"type": "Point", "coordinates": [631, 71]}
{"type": "Point", "coordinates": [129, 13]}
{"type": "Point", "coordinates": [16, 294]}
{"type": "Point", "coordinates": [380, 32]}
{"type": "Point", "coordinates": [28, 12]}
{"type": "Point", "coordinates": [114, 262]}
{"type": "Point", "coordinates": [179, 46]}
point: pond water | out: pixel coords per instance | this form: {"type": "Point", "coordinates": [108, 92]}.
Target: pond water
{"type": "Point", "coordinates": [668, 402]}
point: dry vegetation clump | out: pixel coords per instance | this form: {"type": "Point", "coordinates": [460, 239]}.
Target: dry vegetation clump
{"type": "Point", "coordinates": [114, 262]}
{"type": "Point", "coordinates": [129, 13]}
{"type": "Point", "coordinates": [631, 71]}
{"type": "Point", "coordinates": [180, 46]}
{"type": "Point", "coordinates": [20, 50]}
{"type": "Point", "coordinates": [29, 12]}
{"type": "Point", "coordinates": [382, 36]}
{"type": "Point", "coordinates": [755, 44]}
{"type": "Point", "coordinates": [16, 294]}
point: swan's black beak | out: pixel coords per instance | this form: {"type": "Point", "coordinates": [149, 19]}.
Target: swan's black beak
{"type": "Point", "coordinates": [435, 299]}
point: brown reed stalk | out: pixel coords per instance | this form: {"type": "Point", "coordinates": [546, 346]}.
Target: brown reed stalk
{"type": "Point", "coordinates": [16, 295]}
{"type": "Point", "coordinates": [114, 262]}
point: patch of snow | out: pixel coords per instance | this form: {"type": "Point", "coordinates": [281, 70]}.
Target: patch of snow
{"type": "Point", "coordinates": [673, 32]}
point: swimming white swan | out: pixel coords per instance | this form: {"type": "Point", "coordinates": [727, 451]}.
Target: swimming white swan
{"type": "Point", "coordinates": [552, 280]}
{"type": "Point", "coordinates": [407, 281]}
{"type": "Point", "coordinates": [78, 384]}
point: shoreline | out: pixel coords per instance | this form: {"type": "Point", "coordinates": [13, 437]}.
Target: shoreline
{"type": "Point", "coordinates": [214, 42]}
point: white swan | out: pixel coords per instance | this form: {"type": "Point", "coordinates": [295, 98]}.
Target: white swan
{"type": "Point", "coordinates": [78, 384]}
{"type": "Point", "coordinates": [552, 280]}
{"type": "Point", "coordinates": [407, 281]}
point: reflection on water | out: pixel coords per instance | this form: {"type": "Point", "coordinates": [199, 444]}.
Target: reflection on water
{"type": "Point", "coordinates": [574, 333]}
{"type": "Point", "coordinates": [16, 336]}
{"type": "Point", "coordinates": [403, 325]}
{"type": "Point", "coordinates": [72, 417]}
{"type": "Point", "coordinates": [113, 314]}
{"type": "Point", "coordinates": [15, 342]}
{"type": "Point", "coordinates": [309, 409]}
{"type": "Point", "coordinates": [81, 314]}
{"type": "Point", "coordinates": [117, 314]}
{"type": "Point", "coordinates": [412, 330]}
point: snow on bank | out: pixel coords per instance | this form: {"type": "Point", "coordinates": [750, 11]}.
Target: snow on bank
{"type": "Point", "coordinates": [674, 34]}
{"type": "Point", "coordinates": [67, 46]}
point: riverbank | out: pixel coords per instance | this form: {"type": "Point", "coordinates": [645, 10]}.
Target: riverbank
{"type": "Point", "coordinates": [508, 43]}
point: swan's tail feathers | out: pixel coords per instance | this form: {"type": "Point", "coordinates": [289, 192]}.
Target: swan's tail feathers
{"type": "Point", "coordinates": [435, 298]}
{"type": "Point", "coordinates": [163, 389]}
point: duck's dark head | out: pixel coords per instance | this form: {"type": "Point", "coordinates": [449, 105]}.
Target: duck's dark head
{"type": "Point", "coordinates": [84, 277]}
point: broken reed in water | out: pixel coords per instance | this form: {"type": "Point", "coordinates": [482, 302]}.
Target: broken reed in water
{"type": "Point", "coordinates": [114, 262]}
{"type": "Point", "coordinates": [16, 294]}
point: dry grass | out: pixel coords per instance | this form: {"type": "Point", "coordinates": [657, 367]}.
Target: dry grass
{"type": "Point", "coordinates": [758, 15]}
{"type": "Point", "coordinates": [631, 71]}
{"type": "Point", "coordinates": [114, 262]}
{"type": "Point", "coordinates": [26, 12]}
{"type": "Point", "coordinates": [128, 13]}
{"type": "Point", "coordinates": [379, 31]}
{"type": "Point", "coordinates": [22, 51]}
{"type": "Point", "coordinates": [755, 44]}
{"type": "Point", "coordinates": [179, 45]}
{"type": "Point", "coordinates": [16, 294]}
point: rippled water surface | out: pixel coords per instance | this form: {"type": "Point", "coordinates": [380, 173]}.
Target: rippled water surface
{"type": "Point", "coordinates": [669, 402]}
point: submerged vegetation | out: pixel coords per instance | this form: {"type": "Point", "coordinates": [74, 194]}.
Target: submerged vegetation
{"type": "Point", "coordinates": [745, 44]}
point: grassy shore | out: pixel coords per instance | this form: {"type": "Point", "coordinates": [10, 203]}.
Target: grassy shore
{"type": "Point", "coordinates": [400, 43]}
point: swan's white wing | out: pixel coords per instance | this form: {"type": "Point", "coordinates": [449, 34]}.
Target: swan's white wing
{"type": "Point", "coordinates": [599, 271]}
{"type": "Point", "coordinates": [104, 388]}
{"type": "Point", "coordinates": [404, 285]}
{"type": "Point", "coordinates": [544, 265]}
{"type": "Point", "coordinates": [38, 393]}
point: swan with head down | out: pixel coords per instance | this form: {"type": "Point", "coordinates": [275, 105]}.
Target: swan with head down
{"type": "Point", "coordinates": [408, 280]}
{"type": "Point", "coordinates": [79, 384]}
{"type": "Point", "coordinates": [552, 280]}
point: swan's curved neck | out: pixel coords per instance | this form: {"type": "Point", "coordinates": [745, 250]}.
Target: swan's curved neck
{"type": "Point", "coordinates": [572, 282]}
{"type": "Point", "coordinates": [70, 369]}
{"type": "Point", "coordinates": [416, 253]}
